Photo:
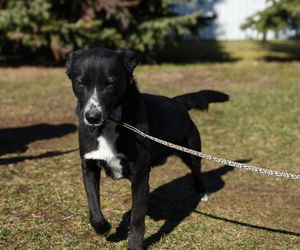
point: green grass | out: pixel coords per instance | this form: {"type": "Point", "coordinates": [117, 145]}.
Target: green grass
{"type": "Point", "coordinates": [230, 51]}
{"type": "Point", "coordinates": [43, 203]}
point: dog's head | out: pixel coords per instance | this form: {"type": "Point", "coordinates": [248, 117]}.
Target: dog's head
{"type": "Point", "coordinates": [100, 78]}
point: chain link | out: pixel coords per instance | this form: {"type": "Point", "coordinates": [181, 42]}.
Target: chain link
{"type": "Point", "coordinates": [244, 166]}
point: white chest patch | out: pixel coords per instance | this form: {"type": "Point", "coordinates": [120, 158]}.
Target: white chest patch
{"type": "Point", "coordinates": [107, 151]}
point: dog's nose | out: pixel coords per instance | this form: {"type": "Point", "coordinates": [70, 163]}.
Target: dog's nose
{"type": "Point", "coordinates": [93, 117]}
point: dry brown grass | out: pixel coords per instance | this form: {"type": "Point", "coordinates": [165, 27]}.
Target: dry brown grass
{"type": "Point", "coordinates": [43, 203]}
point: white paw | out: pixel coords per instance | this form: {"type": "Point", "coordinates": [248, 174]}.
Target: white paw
{"type": "Point", "coordinates": [203, 196]}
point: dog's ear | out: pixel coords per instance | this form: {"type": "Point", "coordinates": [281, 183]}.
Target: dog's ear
{"type": "Point", "coordinates": [130, 59]}
{"type": "Point", "coordinates": [69, 62]}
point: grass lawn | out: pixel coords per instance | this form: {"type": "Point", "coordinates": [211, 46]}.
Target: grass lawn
{"type": "Point", "coordinates": [231, 51]}
{"type": "Point", "coordinates": [42, 200]}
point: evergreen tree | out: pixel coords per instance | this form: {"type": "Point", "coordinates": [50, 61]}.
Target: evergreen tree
{"type": "Point", "coordinates": [281, 14]}
{"type": "Point", "coordinates": [59, 26]}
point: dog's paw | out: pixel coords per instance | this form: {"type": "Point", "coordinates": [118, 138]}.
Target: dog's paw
{"type": "Point", "coordinates": [102, 227]}
{"type": "Point", "coordinates": [202, 196]}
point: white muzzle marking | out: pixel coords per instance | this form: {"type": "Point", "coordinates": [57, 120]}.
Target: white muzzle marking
{"type": "Point", "coordinates": [93, 103]}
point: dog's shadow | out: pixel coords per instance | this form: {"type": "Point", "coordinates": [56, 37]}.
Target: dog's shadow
{"type": "Point", "coordinates": [173, 202]}
{"type": "Point", "coordinates": [16, 140]}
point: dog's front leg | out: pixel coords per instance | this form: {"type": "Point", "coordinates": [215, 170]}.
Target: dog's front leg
{"type": "Point", "coordinates": [139, 190]}
{"type": "Point", "coordinates": [91, 178]}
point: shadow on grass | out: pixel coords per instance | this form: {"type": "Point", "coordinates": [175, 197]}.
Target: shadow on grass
{"type": "Point", "coordinates": [273, 230]}
{"type": "Point", "coordinates": [18, 159]}
{"type": "Point", "coordinates": [201, 51]}
{"type": "Point", "coordinates": [173, 202]}
{"type": "Point", "coordinates": [16, 140]}
{"type": "Point", "coordinates": [282, 52]}
{"type": "Point", "coordinates": [194, 51]}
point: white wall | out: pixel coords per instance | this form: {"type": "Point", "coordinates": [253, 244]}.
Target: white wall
{"type": "Point", "coordinates": [230, 14]}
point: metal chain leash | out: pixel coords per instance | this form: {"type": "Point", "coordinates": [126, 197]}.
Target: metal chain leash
{"type": "Point", "coordinates": [244, 166]}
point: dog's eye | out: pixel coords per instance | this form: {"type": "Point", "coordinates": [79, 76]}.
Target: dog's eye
{"type": "Point", "coordinates": [110, 81]}
{"type": "Point", "coordinates": [109, 84]}
{"type": "Point", "coordinates": [82, 82]}
{"type": "Point", "coordinates": [110, 87]}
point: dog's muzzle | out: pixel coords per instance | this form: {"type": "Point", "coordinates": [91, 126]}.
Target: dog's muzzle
{"type": "Point", "coordinates": [93, 118]}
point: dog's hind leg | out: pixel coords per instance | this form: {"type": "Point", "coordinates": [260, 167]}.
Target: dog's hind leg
{"type": "Point", "coordinates": [193, 141]}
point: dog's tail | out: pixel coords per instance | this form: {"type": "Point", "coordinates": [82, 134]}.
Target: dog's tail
{"type": "Point", "coordinates": [201, 99]}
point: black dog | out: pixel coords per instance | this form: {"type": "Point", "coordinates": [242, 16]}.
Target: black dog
{"type": "Point", "coordinates": [104, 85]}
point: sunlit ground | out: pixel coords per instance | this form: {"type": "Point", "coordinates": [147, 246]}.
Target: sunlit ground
{"type": "Point", "coordinates": [42, 200]}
